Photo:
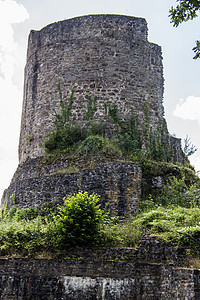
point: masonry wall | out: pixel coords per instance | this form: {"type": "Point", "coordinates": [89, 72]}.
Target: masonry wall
{"type": "Point", "coordinates": [72, 279]}
{"type": "Point", "coordinates": [104, 54]}
{"type": "Point", "coordinates": [107, 55]}
{"type": "Point", "coordinates": [117, 183]}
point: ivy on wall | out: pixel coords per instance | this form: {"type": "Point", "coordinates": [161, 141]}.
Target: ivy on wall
{"type": "Point", "coordinates": [127, 136]}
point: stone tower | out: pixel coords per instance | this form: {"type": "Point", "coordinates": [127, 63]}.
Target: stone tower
{"type": "Point", "coordinates": [104, 54]}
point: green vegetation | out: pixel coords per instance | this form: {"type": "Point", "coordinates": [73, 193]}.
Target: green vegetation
{"type": "Point", "coordinates": [189, 148]}
{"type": "Point", "coordinates": [171, 213]}
{"type": "Point", "coordinates": [78, 220]}
{"type": "Point", "coordinates": [174, 224]}
{"type": "Point", "coordinates": [186, 10]}
{"type": "Point", "coordinates": [95, 145]}
{"type": "Point", "coordinates": [173, 216]}
{"type": "Point", "coordinates": [175, 193]}
{"type": "Point", "coordinates": [66, 136]}
{"type": "Point", "coordinates": [26, 231]}
{"type": "Point", "coordinates": [162, 174]}
{"type": "Point", "coordinates": [29, 232]}
{"type": "Point", "coordinates": [69, 170]}
{"type": "Point", "coordinates": [112, 136]}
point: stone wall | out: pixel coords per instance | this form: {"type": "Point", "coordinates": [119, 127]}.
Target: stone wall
{"type": "Point", "coordinates": [108, 55]}
{"type": "Point", "coordinates": [46, 279]}
{"type": "Point", "coordinates": [117, 183]}
{"type": "Point", "coordinates": [178, 155]}
{"type": "Point", "coordinates": [104, 54]}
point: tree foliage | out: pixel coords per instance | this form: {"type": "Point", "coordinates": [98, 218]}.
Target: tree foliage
{"type": "Point", "coordinates": [184, 11]}
{"type": "Point", "coordinates": [189, 148]}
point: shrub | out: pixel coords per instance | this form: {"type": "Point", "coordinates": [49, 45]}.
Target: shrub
{"type": "Point", "coordinates": [65, 137]}
{"type": "Point", "coordinates": [176, 192]}
{"type": "Point", "coordinates": [79, 220]}
{"type": "Point", "coordinates": [64, 134]}
{"type": "Point", "coordinates": [95, 145]}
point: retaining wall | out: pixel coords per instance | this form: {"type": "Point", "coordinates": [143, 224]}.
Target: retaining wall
{"type": "Point", "coordinates": [80, 279]}
{"type": "Point", "coordinates": [117, 183]}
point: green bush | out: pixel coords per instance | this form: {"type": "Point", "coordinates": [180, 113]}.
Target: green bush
{"type": "Point", "coordinates": [64, 138]}
{"type": "Point", "coordinates": [64, 133]}
{"type": "Point", "coordinates": [29, 231]}
{"type": "Point", "coordinates": [95, 128]}
{"type": "Point", "coordinates": [46, 211]}
{"type": "Point", "coordinates": [130, 144]}
{"type": "Point", "coordinates": [23, 237]}
{"type": "Point", "coordinates": [79, 220]}
{"type": "Point", "coordinates": [95, 145]}
{"type": "Point", "coordinates": [128, 132]}
{"type": "Point", "coordinates": [177, 193]}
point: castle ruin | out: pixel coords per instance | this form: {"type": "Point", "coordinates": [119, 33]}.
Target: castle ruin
{"type": "Point", "coordinates": [110, 56]}
{"type": "Point", "coordinates": [106, 55]}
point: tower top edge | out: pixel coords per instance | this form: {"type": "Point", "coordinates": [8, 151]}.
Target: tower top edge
{"type": "Point", "coordinates": [93, 17]}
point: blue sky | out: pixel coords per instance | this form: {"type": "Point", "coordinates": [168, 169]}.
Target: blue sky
{"type": "Point", "coordinates": [182, 88]}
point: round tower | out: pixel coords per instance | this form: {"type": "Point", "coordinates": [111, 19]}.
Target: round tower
{"type": "Point", "coordinates": [107, 55]}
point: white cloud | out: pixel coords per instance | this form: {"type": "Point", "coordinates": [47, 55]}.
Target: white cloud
{"type": "Point", "coordinates": [10, 96]}
{"type": "Point", "coordinates": [188, 109]}
{"type": "Point", "coordinates": [10, 13]}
